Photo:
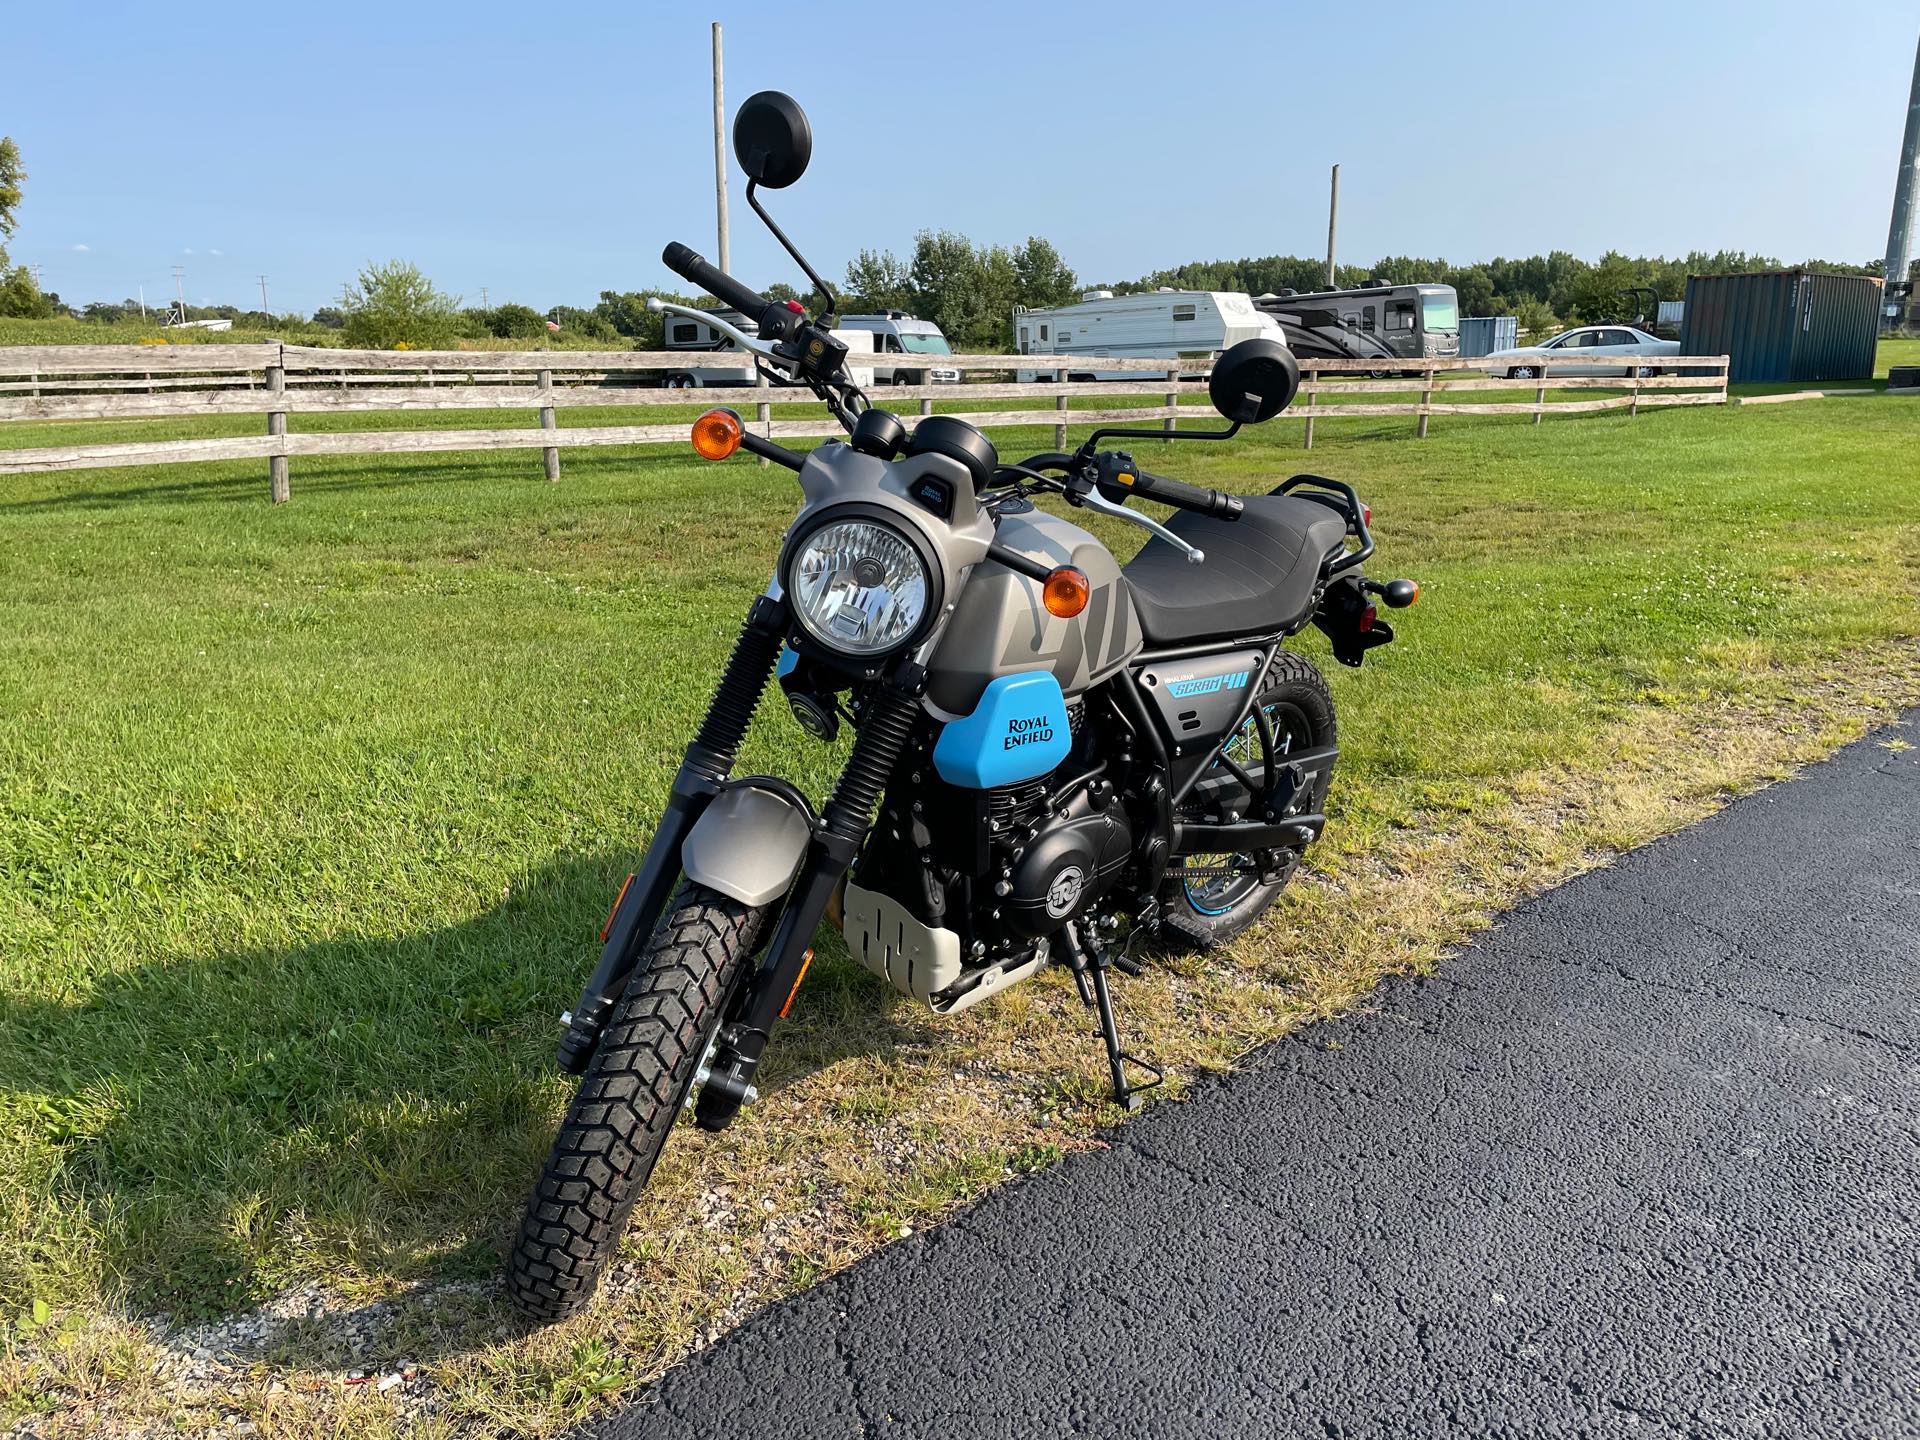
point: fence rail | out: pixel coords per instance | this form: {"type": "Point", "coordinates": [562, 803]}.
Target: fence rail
{"type": "Point", "coordinates": [113, 382]}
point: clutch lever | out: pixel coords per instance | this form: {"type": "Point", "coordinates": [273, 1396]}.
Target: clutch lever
{"type": "Point", "coordinates": [1094, 500]}
{"type": "Point", "coordinates": [753, 343]}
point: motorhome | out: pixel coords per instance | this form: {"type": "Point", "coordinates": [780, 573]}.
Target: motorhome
{"type": "Point", "coordinates": [1413, 321]}
{"type": "Point", "coordinates": [895, 332]}
{"type": "Point", "coordinates": [1192, 326]}
{"type": "Point", "coordinates": [697, 337]}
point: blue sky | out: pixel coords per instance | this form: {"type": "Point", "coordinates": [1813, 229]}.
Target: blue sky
{"type": "Point", "coordinates": [548, 152]}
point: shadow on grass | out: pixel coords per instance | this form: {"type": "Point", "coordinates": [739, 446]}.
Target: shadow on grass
{"type": "Point", "coordinates": [365, 1112]}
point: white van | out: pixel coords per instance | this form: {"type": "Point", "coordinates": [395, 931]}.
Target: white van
{"type": "Point", "coordinates": [701, 339]}
{"type": "Point", "coordinates": [898, 333]}
{"type": "Point", "coordinates": [1194, 326]}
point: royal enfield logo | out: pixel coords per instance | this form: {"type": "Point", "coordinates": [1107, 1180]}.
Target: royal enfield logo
{"type": "Point", "coordinates": [1034, 730]}
{"type": "Point", "coordinates": [1064, 893]}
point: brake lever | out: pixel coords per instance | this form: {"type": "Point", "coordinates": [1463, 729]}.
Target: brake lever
{"type": "Point", "coordinates": [1094, 500]}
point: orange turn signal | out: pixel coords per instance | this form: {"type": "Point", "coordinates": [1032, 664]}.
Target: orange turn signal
{"type": "Point", "coordinates": [1067, 591]}
{"type": "Point", "coordinates": [716, 434]}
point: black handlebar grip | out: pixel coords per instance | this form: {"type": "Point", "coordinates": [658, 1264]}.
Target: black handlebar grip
{"type": "Point", "coordinates": [1189, 497]}
{"type": "Point", "coordinates": [689, 265]}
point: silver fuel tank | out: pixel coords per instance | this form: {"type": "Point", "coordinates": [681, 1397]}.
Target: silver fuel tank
{"type": "Point", "coordinates": [1001, 626]}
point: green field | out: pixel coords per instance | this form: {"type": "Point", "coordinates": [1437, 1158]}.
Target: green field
{"type": "Point", "coordinates": [309, 815]}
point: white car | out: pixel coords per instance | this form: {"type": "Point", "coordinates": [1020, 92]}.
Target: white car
{"type": "Point", "coordinates": [1601, 348]}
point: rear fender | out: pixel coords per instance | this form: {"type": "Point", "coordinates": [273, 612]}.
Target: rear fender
{"type": "Point", "coordinates": [749, 842]}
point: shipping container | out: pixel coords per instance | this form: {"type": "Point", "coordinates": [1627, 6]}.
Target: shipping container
{"type": "Point", "coordinates": [1784, 324]}
{"type": "Point", "coordinates": [1484, 334]}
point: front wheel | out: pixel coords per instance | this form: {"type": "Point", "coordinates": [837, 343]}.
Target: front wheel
{"type": "Point", "coordinates": [1522, 372]}
{"type": "Point", "coordinates": [1205, 910]}
{"type": "Point", "coordinates": [632, 1092]}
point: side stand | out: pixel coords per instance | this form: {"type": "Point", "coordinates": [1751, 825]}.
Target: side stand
{"type": "Point", "coordinates": [1089, 962]}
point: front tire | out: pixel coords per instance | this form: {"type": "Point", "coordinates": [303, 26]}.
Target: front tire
{"type": "Point", "coordinates": [1522, 372]}
{"type": "Point", "coordinates": [1201, 915]}
{"type": "Point", "coordinates": [629, 1098]}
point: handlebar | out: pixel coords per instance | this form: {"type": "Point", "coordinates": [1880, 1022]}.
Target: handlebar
{"type": "Point", "coordinates": [1183, 496]}
{"type": "Point", "coordinates": [689, 265]}
{"type": "Point", "coordinates": [1118, 478]}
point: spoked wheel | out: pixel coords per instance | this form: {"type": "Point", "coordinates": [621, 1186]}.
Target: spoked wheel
{"type": "Point", "coordinates": [1522, 372]}
{"type": "Point", "coordinates": [1224, 894]}
{"type": "Point", "coordinates": [633, 1091]}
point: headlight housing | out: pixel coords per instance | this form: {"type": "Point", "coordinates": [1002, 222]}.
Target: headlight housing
{"type": "Point", "coordinates": [859, 586]}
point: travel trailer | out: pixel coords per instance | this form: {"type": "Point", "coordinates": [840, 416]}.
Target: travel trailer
{"type": "Point", "coordinates": [898, 333]}
{"type": "Point", "coordinates": [699, 338]}
{"type": "Point", "coordinates": [1413, 321]}
{"type": "Point", "coordinates": [1193, 326]}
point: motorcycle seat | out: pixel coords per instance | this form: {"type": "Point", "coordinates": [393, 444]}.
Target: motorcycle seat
{"type": "Point", "coordinates": [1258, 578]}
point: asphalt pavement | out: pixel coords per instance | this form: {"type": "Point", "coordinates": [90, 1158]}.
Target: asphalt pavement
{"type": "Point", "coordinates": [1644, 1161]}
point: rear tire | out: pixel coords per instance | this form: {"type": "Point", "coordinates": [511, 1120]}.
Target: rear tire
{"type": "Point", "coordinates": [629, 1098]}
{"type": "Point", "coordinates": [1300, 707]}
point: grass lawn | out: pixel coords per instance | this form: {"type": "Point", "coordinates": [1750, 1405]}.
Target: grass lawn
{"type": "Point", "coordinates": [309, 815]}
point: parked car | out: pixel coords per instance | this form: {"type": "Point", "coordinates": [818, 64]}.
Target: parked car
{"type": "Point", "coordinates": [1603, 349]}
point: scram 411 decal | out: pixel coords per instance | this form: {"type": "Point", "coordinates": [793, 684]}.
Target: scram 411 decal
{"type": "Point", "coordinates": [1208, 684]}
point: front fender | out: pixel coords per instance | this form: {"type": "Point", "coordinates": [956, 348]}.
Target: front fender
{"type": "Point", "coordinates": [748, 843]}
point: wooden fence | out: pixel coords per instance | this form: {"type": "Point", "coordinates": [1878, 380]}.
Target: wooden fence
{"type": "Point", "coordinates": [117, 382]}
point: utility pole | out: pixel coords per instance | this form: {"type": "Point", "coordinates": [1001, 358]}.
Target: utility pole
{"type": "Point", "coordinates": [1900, 233]}
{"type": "Point", "coordinates": [35, 268]}
{"type": "Point", "coordinates": [143, 301]}
{"type": "Point", "coordinates": [1333, 220]}
{"type": "Point", "coordinates": [483, 299]}
{"type": "Point", "coordinates": [180, 286]}
{"type": "Point", "coordinates": [263, 297]}
{"type": "Point", "coordinates": [720, 150]}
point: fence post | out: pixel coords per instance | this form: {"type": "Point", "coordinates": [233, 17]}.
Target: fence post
{"type": "Point", "coordinates": [1173, 398]}
{"type": "Point", "coordinates": [926, 405]}
{"type": "Point", "coordinates": [1633, 406]}
{"type": "Point", "coordinates": [1060, 404]}
{"type": "Point", "coordinates": [765, 411]}
{"type": "Point", "coordinates": [277, 480]}
{"type": "Point", "coordinates": [1540, 394]}
{"type": "Point", "coordinates": [1426, 399]}
{"type": "Point", "coordinates": [1313, 379]}
{"type": "Point", "coordinates": [548, 421]}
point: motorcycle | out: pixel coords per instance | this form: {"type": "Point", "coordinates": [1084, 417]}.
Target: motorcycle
{"type": "Point", "coordinates": [1055, 756]}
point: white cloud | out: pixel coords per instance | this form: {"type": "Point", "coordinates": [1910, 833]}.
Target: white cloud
{"type": "Point", "coordinates": [220, 253]}
{"type": "Point", "coordinates": [82, 249]}
{"type": "Point", "coordinates": [187, 251]}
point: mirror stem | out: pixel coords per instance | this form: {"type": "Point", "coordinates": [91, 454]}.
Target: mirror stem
{"type": "Point", "coordinates": [1087, 446]}
{"type": "Point", "coordinates": [826, 290]}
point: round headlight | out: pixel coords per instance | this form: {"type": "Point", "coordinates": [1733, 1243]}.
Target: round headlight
{"type": "Point", "coordinates": [858, 586]}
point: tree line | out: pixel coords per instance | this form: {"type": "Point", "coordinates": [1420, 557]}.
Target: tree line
{"type": "Point", "coordinates": [968, 289]}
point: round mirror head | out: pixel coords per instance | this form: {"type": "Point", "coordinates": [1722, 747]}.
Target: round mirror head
{"type": "Point", "coordinates": [1254, 381]}
{"type": "Point", "coordinates": [772, 140]}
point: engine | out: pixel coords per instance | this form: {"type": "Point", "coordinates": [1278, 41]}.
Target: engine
{"type": "Point", "coordinates": [998, 869]}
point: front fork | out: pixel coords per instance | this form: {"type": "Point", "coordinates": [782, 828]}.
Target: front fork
{"type": "Point", "coordinates": [709, 761]}
{"type": "Point", "coordinates": [885, 725]}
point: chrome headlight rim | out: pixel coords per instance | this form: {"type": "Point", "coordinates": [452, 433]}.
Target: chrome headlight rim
{"type": "Point", "coordinates": [893, 522]}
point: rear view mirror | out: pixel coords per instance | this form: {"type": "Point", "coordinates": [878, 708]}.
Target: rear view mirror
{"type": "Point", "coordinates": [1254, 381]}
{"type": "Point", "coordinates": [772, 140]}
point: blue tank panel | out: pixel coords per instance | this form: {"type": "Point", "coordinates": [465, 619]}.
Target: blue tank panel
{"type": "Point", "coordinates": [1017, 732]}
